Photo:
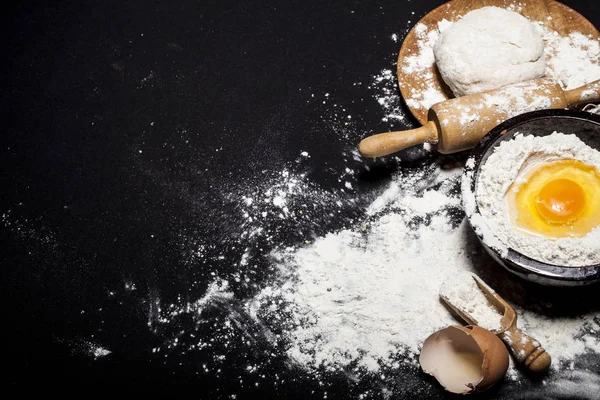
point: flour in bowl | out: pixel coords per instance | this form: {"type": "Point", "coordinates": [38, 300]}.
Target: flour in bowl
{"type": "Point", "coordinates": [510, 163]}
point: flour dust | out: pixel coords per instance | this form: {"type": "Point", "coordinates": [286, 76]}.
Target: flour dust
{"type": "Point", "coordinates": [350, 303]}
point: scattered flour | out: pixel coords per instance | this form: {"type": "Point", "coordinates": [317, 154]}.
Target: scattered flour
{"type": "Point", "coordinates": [424, 59]}
{"type": "Point", "coordinates": [462, 291]}
{"type": "Point", "coordinates": [387, 96]}
{"type": "Point", "coordinates": [573, 60]}
{"type": "Point", "coordinates": [359, 297]}
{"type": "Point", "coordinates": [362, 299]}
{"type": "Point", "coordinates": [359, 300]}
{"type": "Point", "coordinates": [98, 351]}
{"type": "Point", "coordinates": [422, 64]}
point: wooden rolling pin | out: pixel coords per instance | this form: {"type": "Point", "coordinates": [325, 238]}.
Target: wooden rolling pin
{"type": "Point", "coordinates": [458, 124]}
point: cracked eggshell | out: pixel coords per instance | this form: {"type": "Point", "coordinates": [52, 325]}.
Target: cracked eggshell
{"type": "Point", "coordinates": [464, 359]}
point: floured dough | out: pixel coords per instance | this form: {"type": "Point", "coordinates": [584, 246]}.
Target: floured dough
{"type": "Point", "coordinates": [488, 48]}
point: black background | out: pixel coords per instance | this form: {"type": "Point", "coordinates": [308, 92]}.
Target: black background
{"type": "Point", "coordinates": [125, 124]}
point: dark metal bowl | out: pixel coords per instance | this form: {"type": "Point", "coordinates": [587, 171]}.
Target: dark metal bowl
{"type": "Point", "coordinates": [539, 123]}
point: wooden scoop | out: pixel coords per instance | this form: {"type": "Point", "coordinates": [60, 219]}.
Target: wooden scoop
{"type": "Point", "coordinates": [458, 124]}
{"type": "Point", "coordinates": [525, 349]}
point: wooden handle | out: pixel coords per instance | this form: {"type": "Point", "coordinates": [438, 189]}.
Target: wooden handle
{"type": "Point", "coordinates": [458, 124]}
{"type": "Point", "coordinates": [586, 93]}
{"type": "Point", "coordinates": [387, 143]}
{"type": "Point", "coordinates": [526, 350]}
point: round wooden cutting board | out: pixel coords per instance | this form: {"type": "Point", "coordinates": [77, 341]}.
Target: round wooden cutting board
{"type": "Point", "coordinates": [413, 83]}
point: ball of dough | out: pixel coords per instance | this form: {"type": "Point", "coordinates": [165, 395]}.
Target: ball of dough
{"type": "Point", "coordinates": [488, 48]}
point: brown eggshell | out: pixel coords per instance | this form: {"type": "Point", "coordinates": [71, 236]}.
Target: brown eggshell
{"type": "Point", "coordinates": [495, 356]}
{"type": "Point", "coordinates": [464, 359]}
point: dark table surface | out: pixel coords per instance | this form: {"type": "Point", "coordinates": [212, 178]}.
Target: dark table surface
{"type": "Point", "coordinates": [127, 127]}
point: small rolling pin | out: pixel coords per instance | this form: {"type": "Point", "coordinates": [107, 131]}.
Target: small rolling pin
{"type": "Point", "coordinates": [458, 124]}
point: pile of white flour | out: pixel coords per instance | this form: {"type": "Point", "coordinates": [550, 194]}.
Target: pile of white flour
{"type": "Point", "coordinates": [464, 294]}
{"type": "Point", "coordinates": [355, 300]}
{"type": "Point", "coordinates": [510, 160]}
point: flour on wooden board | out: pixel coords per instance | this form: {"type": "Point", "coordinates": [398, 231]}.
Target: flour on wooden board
{"type": "Point", "coordinates": [572, 61]}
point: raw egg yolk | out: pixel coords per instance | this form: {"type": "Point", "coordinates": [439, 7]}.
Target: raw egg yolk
{"type": "Point", "coordinates": [556, 199]}
{"type": "Point", "coordinates": [561, 201]}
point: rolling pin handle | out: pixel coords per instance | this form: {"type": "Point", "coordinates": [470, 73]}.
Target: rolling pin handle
{"type": "Point", "coordinates": [585, 94]}
{"type": "Point", "coordinates": [387, 143]}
